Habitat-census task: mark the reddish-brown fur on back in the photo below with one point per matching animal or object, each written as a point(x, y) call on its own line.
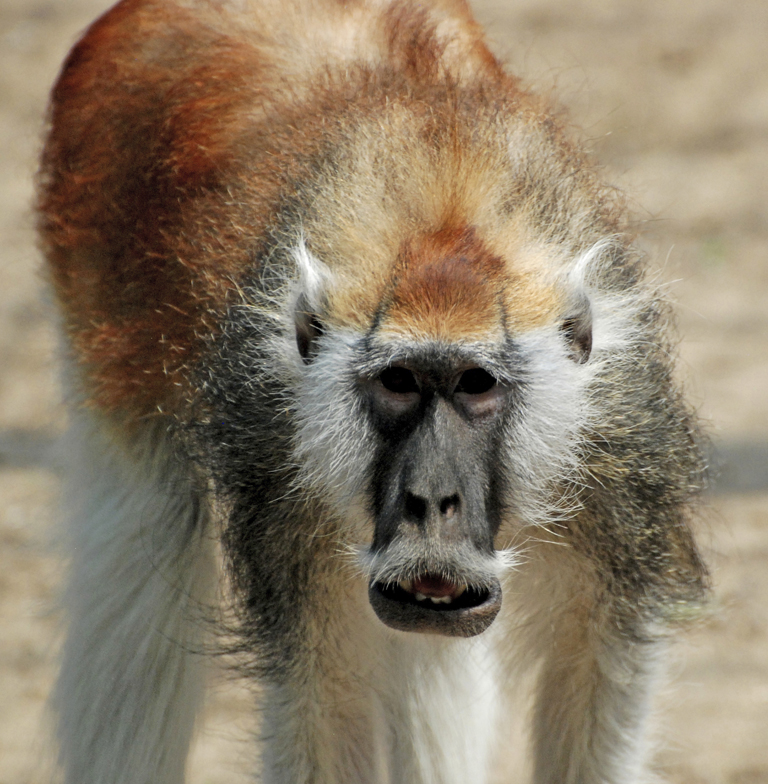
point(143, 134)
point(161, 115)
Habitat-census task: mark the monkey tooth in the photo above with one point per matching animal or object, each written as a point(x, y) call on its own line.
point(436, 598)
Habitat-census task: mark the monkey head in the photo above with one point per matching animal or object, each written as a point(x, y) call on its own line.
point(441, 424)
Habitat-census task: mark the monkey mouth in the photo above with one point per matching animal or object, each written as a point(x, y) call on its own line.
point(431, 604)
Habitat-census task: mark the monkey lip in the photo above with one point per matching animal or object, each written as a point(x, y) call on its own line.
point(432, 605)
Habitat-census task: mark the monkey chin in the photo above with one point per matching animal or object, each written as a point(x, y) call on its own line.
point(467, 615)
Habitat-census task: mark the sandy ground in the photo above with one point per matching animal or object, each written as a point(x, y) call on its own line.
point(674, 98)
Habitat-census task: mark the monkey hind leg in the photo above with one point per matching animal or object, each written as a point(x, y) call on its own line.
point(141, 570)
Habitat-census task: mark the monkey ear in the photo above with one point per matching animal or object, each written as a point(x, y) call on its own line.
point(308, 329)
point(577, 329)
point(576, 326)
point(314, 281)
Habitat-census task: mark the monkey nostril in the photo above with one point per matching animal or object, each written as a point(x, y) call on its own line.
point(449, 506)
point(415, 508)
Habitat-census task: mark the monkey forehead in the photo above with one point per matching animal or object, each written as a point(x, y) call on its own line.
point(445, 285)
point(450, 286)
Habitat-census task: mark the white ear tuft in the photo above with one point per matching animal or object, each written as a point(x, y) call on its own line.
point(314, 277)
point(580, 273)
point(314, 280)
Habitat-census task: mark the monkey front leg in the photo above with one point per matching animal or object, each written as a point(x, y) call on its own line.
point(591, 711)
point(141, 573)
point(321, 720)
point(308, 740)
point(592, 696)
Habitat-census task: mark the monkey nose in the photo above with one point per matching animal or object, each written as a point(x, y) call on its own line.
point(419, 510)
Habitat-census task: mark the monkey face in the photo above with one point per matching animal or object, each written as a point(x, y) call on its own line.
point(442, 450)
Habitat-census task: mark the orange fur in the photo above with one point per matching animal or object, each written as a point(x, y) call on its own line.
point(447, 286)
point(158, 115)
point(119, 197)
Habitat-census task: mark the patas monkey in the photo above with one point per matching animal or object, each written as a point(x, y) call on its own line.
point(336, 289)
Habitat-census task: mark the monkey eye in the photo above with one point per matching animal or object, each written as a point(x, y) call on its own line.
point(399, 380)
point(479, 393)
point(396, 392)
point(475, 381)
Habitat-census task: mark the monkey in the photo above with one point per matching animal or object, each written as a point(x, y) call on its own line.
point(370, 385)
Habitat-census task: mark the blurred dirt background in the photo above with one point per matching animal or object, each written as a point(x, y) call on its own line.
point(673, 98)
